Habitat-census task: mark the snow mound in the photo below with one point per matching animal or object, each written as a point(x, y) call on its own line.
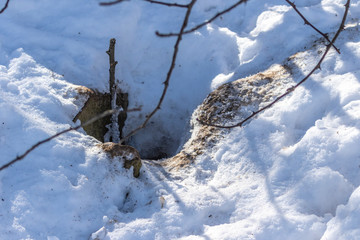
point(227, 105)
point(253, 183)
point(68, 183)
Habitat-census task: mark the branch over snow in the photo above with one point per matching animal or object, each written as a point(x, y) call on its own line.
point(291, 89)
point(114, 129)
point(94, 119)
point(204, 23)
point(5, 6)
point(169, 74)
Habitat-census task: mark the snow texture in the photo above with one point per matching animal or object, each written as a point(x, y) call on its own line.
point(291, 173)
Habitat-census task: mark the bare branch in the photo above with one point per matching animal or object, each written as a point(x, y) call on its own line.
point(291, 89)
point(204, 23)
point(306, 22)
point(150, 1)
point(168, 4)
point(114, 129)
point(94, 119)
point(169, 74)
point(5, 6)
point(111, 3)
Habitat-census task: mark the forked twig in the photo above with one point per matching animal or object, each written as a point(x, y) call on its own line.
point(291, 89)
point(204, 23)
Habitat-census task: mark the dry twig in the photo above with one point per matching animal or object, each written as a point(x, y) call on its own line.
point(150, 1)
point(168, 4)
point(5, 6)
point(172, 66)
point(111, 3)
point(291, 89)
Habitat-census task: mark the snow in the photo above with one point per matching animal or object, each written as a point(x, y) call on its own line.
point(291, 173)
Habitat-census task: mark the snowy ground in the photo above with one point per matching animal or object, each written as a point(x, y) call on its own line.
point(292, 173)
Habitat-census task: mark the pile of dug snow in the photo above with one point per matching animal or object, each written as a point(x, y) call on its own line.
point(291, 173)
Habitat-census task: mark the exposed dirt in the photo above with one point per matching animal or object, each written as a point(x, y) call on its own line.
point(229, 104)
point(128, 154)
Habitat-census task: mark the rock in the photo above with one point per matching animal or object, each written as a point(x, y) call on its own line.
point(96, 104)
point(128, 154)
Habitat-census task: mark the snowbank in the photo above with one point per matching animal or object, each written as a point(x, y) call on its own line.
point(291, 173)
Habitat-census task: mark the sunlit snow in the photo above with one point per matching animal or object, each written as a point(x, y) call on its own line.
point(291, 173)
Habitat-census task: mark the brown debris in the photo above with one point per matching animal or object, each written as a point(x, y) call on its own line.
point(128, 154)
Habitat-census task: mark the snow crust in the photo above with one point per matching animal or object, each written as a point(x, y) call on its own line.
point(291, 173)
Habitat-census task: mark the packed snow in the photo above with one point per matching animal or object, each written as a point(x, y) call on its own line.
point(291, 173)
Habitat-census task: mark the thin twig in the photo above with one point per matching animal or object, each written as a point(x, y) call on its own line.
point(168, 4)
point(5, 7)
point(204, 23)
point(111, 3)
point(291, 89)
point(169, 74)
point(94, 119)
point(150, 1)
point(306, 22)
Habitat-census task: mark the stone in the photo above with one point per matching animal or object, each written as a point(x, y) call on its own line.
point(96, 104)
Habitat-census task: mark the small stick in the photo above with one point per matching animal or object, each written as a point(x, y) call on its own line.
point(5, 6)
point(114, 130)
